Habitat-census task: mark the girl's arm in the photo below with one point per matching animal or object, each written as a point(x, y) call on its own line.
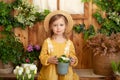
point(44, 55)
point(74, 59)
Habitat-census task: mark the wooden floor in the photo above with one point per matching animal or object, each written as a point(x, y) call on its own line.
point(84, 74)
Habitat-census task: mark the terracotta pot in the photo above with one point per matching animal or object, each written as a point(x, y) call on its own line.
point(102, 64)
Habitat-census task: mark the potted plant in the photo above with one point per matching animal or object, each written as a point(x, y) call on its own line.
point(31, 55)
point(25, 72)
point(105, 46)
point(105, 49)
point(10, 49)
point(116, 69)
point(63, 64)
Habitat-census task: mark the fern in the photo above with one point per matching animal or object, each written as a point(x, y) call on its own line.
point(114, 66)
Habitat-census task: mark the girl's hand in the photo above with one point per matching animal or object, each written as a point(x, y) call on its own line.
point(53, 60)
point(72, 61)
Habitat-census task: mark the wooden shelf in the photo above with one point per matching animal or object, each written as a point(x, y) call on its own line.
point(88, 74)
point(84, 74)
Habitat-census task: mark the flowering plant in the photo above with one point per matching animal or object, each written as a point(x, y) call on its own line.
point(31, 54)
point(25, 72)
point(64, 59)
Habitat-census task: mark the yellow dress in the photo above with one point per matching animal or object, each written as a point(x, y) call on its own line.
point(48, 71)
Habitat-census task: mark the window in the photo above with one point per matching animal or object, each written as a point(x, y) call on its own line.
point(75, 7)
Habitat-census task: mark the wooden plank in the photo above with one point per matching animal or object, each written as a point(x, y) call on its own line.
point(78, 40)
point(32, 37)
point(22, 35)
point(41, 34)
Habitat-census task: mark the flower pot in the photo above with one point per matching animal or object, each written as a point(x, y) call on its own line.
point(102, 64)
point(62, 68)
point(117, 77)
point(25, 65)
point(6, 68)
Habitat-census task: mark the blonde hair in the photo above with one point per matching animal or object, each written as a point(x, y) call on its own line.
point(53, 19)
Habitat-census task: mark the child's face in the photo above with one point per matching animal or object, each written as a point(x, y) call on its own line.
point(58, 26)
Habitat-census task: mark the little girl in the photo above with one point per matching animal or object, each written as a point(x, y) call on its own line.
point(57, 24)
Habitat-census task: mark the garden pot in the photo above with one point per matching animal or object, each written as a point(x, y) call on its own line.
point(1, 64)
point(117, 77)
point(62, 68)
point(6, 68)
point(102, 64)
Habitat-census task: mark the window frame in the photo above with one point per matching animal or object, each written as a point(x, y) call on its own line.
point(78, 16)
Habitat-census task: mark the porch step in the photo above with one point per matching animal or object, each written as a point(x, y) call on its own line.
point(88, 74)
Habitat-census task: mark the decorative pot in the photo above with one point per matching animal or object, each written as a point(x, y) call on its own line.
point(62, 68)
point(6, 68)
point(102, 64)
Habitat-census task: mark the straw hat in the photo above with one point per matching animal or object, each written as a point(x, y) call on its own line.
point(67, 15)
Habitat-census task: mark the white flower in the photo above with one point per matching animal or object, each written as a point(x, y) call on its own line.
point(63, 58)
point(20, 71)
point(33, 67)
point(15, 71)
point(17, 67)
point(29, 76)
point(35, 71)
point(27, 70)
point(67, 59)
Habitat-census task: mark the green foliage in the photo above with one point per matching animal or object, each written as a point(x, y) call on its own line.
point(41, 16)
point(79, 28)
point(98, 17)
point(85, 0)
point(108, 5)
point(88, 33)
point(10, 48)
point(111, 23)
point(31, 54)
point(5, 17)
point(27, 14)
point(115, 67)
point(63, 59)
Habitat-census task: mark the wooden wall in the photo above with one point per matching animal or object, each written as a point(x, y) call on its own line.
point(37, 34)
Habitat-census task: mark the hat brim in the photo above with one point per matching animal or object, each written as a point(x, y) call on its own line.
point(67, 15)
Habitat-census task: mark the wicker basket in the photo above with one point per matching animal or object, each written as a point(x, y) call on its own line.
point(6, 71)
point(117, 77)
point(102, 64)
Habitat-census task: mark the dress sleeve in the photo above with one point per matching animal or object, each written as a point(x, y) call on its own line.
point(44, 54)
point(73, 54)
